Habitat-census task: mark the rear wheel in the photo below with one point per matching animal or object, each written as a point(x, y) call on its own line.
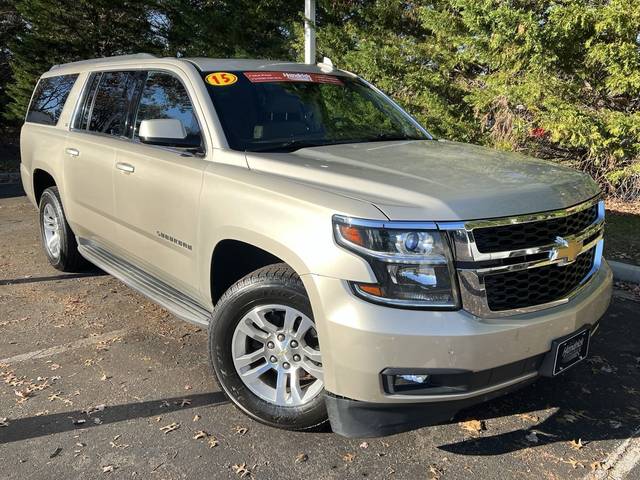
point(57, 238)
point(264, 350)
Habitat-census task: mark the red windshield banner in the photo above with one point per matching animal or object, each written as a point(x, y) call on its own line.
point(262, 77)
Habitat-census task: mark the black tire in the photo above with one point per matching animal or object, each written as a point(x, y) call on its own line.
point(68, 259)
point(271, 284)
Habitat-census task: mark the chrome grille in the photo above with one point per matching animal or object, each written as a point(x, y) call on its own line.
point(533, 234)
point(529, 262)
point(536, 286)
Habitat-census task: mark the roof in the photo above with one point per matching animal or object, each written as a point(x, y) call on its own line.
point(204, 64)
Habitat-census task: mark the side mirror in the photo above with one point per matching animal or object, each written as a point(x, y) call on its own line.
point(167, 132)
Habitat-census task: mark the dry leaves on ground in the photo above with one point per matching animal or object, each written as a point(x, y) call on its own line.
point(108, 468)
point(348, 457)
point(474, 426)
point(170, 428)
point(200, 434)
point(4, 422)
point(241, 470)
point(238, 430)
point(213, 442)
point(301, 457)
point(577, 445)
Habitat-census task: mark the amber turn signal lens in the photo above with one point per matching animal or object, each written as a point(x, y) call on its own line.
point(351, 234)
point(371, 289)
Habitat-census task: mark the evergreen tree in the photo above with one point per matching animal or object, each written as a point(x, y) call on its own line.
point(59, 31)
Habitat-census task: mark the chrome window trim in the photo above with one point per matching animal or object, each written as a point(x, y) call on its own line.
point(132, 140)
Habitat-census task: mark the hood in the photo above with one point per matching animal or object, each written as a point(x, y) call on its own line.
point(433, 180)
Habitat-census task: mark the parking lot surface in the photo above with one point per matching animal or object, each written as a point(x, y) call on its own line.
point(97, 382)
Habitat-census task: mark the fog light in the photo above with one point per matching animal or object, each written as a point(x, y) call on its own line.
point(411, 379)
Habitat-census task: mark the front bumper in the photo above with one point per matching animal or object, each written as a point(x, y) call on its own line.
point(359, 340)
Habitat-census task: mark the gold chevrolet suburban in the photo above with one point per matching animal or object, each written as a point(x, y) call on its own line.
point(348, 266)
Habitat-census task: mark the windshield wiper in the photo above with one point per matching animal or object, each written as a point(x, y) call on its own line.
point(288, 146)
point(387, 137)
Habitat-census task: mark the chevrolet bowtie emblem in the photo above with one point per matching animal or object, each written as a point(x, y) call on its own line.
point(566, 250)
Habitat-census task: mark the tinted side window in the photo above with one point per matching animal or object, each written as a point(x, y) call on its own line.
point(112, 102)
point(49, 99)
point(164, 96)
point(82, 117)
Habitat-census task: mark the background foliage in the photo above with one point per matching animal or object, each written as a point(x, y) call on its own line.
point(557, 78)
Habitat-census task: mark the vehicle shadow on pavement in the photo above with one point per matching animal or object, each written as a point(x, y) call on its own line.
point(32, 427)
point(15, 281)
point(597, 400)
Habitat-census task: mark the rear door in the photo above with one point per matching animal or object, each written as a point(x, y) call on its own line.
point(101, 125)
point(157, 189)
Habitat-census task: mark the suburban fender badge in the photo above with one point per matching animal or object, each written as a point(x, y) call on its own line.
point(174, 240)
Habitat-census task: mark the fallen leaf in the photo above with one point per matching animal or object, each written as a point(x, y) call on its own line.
point(364, 445)
point(574, 463)
point(97, 420)
point(170, 428)
point(4, 422)
point(241, 470)
point(301, 457)
point(196, 418)
point(56, 452)
point(348, 457)
point(23, 394)
point(213, 442)
point(187, 387)
point(576, 445)
point(108, 468)
point(104, 377)
point(435, 471)
point(474, 426)
point(185, 402)
point(54, 366)
point(200, 434)
point(595, 466)
point(532, 437)
point(97, 408)
point(240, 430)
point(529, 417)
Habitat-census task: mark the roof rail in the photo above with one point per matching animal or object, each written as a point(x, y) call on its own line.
point(115, 58)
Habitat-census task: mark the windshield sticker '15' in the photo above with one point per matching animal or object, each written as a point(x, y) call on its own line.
point(221, 79)
point(262, 77)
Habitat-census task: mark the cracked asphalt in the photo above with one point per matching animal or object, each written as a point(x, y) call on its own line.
point(97, 382)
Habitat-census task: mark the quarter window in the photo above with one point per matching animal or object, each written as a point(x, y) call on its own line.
point(110, 109)
point(49, 99)
point(164, 96)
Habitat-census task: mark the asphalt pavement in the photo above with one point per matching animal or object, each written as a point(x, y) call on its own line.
point(97, 382)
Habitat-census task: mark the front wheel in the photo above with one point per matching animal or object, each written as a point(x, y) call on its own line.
point(264, 350)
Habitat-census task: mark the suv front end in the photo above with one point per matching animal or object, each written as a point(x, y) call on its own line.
point(461, 312)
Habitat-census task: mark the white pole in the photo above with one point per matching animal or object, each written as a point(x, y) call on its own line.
point(310, 31)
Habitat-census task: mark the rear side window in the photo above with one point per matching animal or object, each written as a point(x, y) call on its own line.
point(82, 117)
point(164, 96)
point(110, 110)
point(49, 98)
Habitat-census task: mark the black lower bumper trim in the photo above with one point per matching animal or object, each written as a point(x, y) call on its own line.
point(355, 419)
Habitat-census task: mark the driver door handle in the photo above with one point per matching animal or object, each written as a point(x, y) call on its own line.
point(73, 152)
point(125, 167)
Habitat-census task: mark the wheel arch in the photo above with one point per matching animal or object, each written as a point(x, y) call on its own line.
point(232, 259)
point(42, 180)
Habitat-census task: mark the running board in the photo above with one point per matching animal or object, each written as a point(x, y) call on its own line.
point(179, 304)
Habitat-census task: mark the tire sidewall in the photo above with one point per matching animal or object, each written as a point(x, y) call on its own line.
point(225, 319)
point(49, 197)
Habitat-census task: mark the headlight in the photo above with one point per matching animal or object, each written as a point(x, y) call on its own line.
point(412, 262)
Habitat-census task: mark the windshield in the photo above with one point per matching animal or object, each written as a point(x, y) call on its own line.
point(283, 111)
